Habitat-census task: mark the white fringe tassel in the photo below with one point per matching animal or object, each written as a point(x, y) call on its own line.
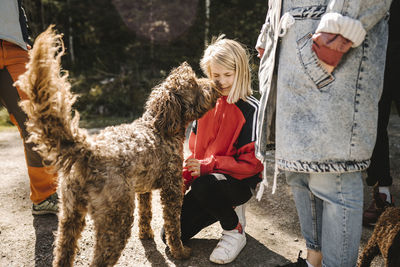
point(264, 182)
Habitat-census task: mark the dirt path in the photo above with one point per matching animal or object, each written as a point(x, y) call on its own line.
point(273, 235)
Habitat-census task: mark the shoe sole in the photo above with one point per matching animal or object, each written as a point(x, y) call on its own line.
point(235, 256)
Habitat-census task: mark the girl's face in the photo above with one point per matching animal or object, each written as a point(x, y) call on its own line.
point(224, 76)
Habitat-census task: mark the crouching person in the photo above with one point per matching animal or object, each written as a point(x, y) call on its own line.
point(223, 171)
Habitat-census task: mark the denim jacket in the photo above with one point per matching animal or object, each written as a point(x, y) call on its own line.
point(13, 23)
point(324, 122)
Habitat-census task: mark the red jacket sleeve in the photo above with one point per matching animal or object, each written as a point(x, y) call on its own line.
point(244, 164)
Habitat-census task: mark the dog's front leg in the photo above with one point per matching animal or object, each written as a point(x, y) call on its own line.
point(145, 215)
point(171, 200)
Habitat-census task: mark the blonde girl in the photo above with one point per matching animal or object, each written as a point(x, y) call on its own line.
point(222, 170)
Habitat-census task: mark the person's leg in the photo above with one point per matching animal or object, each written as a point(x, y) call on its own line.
point(211, 200)
point(390, 94)
point(241, 213)
point(43, 184)
point(309, 209)
point(193, 217)
point(379, 169)
point(342, 196)
point(218, 195)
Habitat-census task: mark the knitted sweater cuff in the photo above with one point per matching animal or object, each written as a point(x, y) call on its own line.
point(349, 28)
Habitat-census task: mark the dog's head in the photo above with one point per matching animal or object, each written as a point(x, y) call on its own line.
point(180, 99)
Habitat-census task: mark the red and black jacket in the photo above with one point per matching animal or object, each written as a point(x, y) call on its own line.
point(223, 140)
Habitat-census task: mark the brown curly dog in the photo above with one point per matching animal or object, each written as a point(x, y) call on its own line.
point(101, 174)
point(385, 239)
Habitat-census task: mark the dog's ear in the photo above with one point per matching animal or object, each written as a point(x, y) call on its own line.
point(165, 104)
point(166, 110)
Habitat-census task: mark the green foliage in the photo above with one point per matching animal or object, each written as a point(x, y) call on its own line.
point(5, 121)
point(117, 50)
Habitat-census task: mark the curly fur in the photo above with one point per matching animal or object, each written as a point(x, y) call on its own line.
point(384, 240)
point(102, 174)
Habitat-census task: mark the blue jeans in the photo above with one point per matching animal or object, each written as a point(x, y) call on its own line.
point(330, 206)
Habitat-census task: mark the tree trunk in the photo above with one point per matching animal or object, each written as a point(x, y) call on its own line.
point(71, 36)
point(207, 22)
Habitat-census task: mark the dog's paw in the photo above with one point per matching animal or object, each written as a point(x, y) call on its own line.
point(148, 234)
point(182, 254)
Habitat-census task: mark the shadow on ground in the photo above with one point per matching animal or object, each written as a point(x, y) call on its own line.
point(254, 254)
point(45, 227)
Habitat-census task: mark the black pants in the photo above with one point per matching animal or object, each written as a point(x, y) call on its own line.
point(211, 200)
point(379, 170)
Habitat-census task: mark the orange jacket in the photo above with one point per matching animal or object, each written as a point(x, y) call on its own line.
point(223, 140)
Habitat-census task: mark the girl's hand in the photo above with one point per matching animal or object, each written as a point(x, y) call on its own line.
point(193, 165)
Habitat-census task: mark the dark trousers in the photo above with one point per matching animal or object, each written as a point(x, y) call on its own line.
point(211, 200)
point(12, 64)
point(379, 170)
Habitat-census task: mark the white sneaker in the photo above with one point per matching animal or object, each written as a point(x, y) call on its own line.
point(229, 246)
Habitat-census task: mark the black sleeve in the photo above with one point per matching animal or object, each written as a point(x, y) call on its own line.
point(248, 133)
point(23, 22)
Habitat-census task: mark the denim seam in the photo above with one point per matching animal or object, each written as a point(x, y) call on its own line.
point(358, 88)
point(344, 234)
point(314, 218)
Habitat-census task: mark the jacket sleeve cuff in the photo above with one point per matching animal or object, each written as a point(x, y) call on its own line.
point(349, 28)
point(207, 165)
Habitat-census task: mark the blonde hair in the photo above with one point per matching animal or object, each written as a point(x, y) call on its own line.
point(233, 56)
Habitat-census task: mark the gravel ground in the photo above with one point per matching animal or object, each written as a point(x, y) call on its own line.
point(273, 234)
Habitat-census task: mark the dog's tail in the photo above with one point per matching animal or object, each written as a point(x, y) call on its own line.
point(52, 128)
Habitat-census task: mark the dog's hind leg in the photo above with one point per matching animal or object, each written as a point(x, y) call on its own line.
point(70, 226)
point(113, 222)
point(369, 253)
point(145, 215)
point(171, 200)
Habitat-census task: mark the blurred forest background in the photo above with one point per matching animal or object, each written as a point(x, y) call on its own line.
point(117, 50)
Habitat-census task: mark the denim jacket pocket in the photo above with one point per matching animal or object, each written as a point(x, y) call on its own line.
point(310, 63)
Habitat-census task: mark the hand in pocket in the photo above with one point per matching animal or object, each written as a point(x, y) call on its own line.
point(330, 48)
